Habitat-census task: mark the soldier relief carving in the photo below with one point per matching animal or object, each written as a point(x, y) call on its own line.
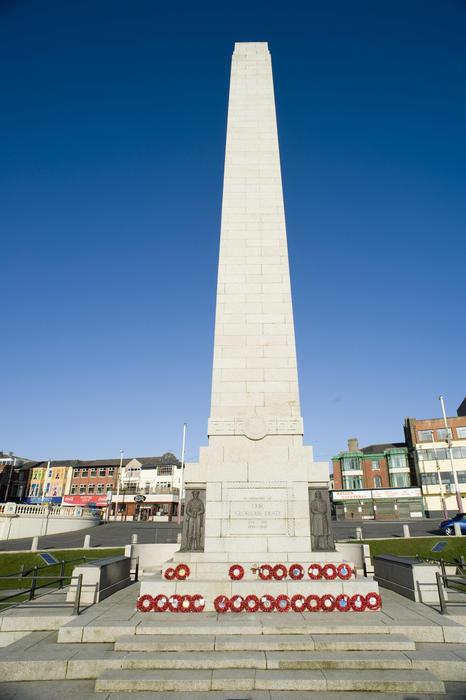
point(192, 538)
point(321, 527)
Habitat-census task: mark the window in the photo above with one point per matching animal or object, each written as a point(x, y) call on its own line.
point(74, 489)
point(461, 432)
point(50, 473)
point(443, 433)
point(164, 470)
point(350, 463)
point(82, 489)
point(352, 482)
point(377, 482)
point(425, 435)
point(111, 471)
point(461, 477)
point(100, 488)
point(459, 452)
point(399, 480)
point(90, 488)
point(93, 472)
point(84, 472)
point(109, 488)
point(57, 475)
point(48, 488)
point(375, 465)
point(101, 471)
point(433, 455)
point(397, 461)
point(75, 473)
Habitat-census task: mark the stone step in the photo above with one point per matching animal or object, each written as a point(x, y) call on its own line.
point(261, 642)
point(403, 681)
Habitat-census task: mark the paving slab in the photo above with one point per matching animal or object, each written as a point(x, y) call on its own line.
point(331, 642)
point(237, 678)
point(277, 642)
point(164, 642)
point(290, 680)
point(401, 681)
point(154, 680)
point(338, 659)
point(201, 660)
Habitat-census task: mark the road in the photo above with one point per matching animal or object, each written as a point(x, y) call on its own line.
point(118, 534)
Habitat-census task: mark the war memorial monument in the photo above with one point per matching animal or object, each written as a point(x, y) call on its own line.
point(256, 497)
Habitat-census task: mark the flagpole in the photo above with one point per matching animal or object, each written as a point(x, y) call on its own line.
point(182, 474)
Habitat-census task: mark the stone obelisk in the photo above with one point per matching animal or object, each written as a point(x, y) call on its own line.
point(249, 492)
point(256, 498)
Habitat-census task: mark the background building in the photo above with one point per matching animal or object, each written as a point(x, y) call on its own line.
point(375, 482)
point(437, 453)
point(14, 473)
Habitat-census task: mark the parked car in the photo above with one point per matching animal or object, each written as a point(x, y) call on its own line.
point(447, 526)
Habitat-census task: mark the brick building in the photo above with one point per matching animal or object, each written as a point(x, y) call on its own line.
point(14, 473)
point(438, 454)
point(375, 482)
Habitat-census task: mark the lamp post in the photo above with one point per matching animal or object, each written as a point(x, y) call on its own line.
point(182, 474)
point(118, 485)
point(442, 492)
point(450, 454)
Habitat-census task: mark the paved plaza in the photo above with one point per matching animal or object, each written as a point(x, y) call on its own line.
point(113, 651)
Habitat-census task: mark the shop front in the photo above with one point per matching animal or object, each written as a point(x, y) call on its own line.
point(378, 504)
point(149, 507)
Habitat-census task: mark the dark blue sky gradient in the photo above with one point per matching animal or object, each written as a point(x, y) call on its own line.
point(112, 136)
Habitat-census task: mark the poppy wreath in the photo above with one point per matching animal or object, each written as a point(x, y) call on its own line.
point(265, 572)
point(373, 601)
point(174, 602)
point(315, 571)
point(329, 571)
point(296, 572)
point(328, 602)
point(221, 604)
point(182, 571)
point(185, 604)
point(197, 603)
point(358, 602)
point(169, 574)
point(267, 603)
point(298, 602)
point(313, 603)
point(160, 603)
point(236, 603)
point(251, 603)
point(145, 603)
point(282, 603)
point(344, 571)
point(236, 572)
point(343, 602)
point(279, 572)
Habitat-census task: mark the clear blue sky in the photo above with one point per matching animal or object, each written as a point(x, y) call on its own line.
point(112, 136)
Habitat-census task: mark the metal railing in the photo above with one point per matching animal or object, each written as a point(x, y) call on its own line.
point(455, 582)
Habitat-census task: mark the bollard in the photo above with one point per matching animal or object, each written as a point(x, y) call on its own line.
point(87, 542)
point(34, 544)
point(458, 532)
point(406, 531)
point(178, 538)
point(359, 533)
point(134, 539)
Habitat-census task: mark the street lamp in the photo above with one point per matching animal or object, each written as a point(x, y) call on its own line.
point(442, 493)
point(450, 454)
point(182, 474)
point(118, 485)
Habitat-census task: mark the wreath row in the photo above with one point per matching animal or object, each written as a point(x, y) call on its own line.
point(296, 571)
point(298, 603)
point(172, 603)
point(181, 572)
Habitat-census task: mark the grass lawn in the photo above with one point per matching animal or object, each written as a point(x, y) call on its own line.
point(11, 563)
point(422, 546)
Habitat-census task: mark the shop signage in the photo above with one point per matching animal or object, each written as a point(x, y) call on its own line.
point(375, 493)
point(139, 498)
point(396, 493)
point(96, 501)
point(350, 495)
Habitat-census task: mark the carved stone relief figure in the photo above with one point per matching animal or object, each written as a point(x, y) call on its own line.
point(192, 538)
point(321, 527)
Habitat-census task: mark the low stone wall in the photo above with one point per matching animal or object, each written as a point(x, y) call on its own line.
point(151, 556)
point(28, 521)
point(101, 578)
point(408, 577)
